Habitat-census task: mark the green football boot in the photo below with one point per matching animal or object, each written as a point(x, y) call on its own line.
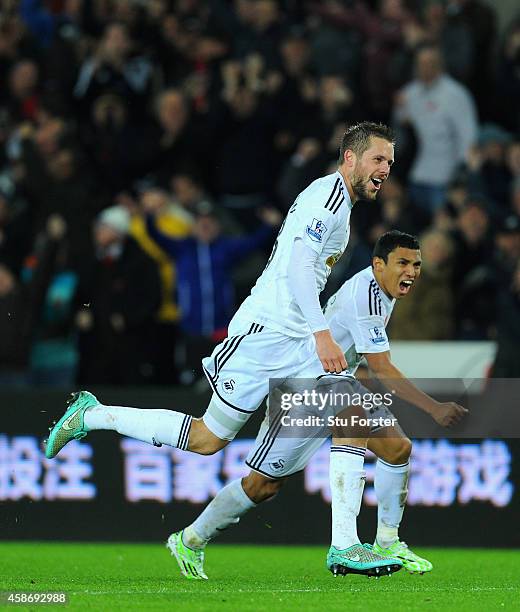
point(71, 426)
point(191, 561)
point(411, 562)
point(361, 559)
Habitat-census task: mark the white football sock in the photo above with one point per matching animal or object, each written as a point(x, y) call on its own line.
point(153, 426)
point(224, 510)
point(391, 487)
point(347, 481)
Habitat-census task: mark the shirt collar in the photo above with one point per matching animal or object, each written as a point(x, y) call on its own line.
point(345, 190)
point(386, 300)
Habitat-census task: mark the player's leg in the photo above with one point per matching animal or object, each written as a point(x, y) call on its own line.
point(347, 480)
point(272, 459)
point(346, 473)
point(231, 503)
point(393, 448)
point(237, 360)
point(85, 413)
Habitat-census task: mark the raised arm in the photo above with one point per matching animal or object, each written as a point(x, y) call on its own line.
point(168, 244)
point(242, 246)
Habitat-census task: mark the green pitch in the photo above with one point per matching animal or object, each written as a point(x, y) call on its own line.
point(145, 577)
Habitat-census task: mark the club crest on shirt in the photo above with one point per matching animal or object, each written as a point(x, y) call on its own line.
point(316, 230)
point(377, 335)
point(228, 386)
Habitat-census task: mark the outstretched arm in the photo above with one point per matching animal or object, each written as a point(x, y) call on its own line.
point(446, 414)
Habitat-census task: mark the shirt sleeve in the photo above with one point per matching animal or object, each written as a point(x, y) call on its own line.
point(369, 334)
point(364, 317)
point(302, 283)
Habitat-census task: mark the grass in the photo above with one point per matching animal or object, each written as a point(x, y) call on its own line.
point(242, 578)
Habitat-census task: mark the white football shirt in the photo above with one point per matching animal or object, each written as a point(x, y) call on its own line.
point(319, 216)
point(358, 314)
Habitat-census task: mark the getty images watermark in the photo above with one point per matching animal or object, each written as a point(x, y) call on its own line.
point(329, 408)
point(301, 408)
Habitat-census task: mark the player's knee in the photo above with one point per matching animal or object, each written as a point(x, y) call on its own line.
point(203, 441)
point(399, 452)
point(260, 488)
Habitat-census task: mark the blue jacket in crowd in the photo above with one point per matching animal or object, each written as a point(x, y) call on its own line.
point(205, 289)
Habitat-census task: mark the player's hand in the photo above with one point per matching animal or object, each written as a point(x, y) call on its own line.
point(449, 414)
point(329, 352)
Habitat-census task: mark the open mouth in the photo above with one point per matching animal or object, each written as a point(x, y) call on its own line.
point(405, 286)
point(377, 182)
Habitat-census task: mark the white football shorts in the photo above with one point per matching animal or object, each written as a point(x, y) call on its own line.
point(278, 452)
point(239, 370)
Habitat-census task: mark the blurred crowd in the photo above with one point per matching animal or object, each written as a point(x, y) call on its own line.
point(150, 148)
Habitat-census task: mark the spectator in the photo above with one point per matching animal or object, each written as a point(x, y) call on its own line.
point(114, 144)
point(15, 237)
point(513, 160)
point(39, 20)
point(175, 222)
point(69, 192)
point(304, 166)
point(474, 281)
point(244, 174)
point(489, 174)
point(295, 92)
point(265, 31)
point(480, 20)
point(337, 105)
point(118, 298)
point(336, 49)
point(114, 68)
point(393, 212)
point(54, 355)
point(442, 114)
point(189, 195)
point(453, 37)
point(515, 197)
point(383, 36)
point(16, 44)
point(176, 143)
point(204, 264)
point(21, 305)
point(507, 242)
point(23, 91)
point(508, 79)
point(506, 363)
